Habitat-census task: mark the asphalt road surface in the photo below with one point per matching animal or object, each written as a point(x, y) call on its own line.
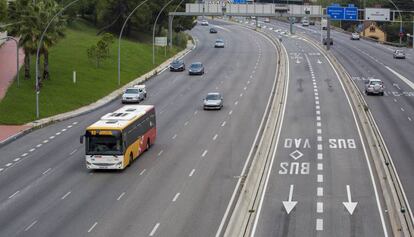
point(181, 187)
point(320, 161)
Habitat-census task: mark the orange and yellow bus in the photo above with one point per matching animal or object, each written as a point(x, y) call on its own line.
point(119, 137)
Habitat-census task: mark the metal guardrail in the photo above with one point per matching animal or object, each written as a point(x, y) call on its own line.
point(399, 211)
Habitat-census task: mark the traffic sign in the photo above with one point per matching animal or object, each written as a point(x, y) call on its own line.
point(351, 13)
point(336, 12)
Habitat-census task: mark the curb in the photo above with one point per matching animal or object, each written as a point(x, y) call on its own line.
point(101, 102)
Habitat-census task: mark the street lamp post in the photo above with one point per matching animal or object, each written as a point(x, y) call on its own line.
point(17, 56)
point(171, 22)
point(153, 30)
point(38, 52)
point(120, 36)
point(399, 12)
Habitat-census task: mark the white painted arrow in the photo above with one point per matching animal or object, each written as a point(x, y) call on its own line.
point(319, 61)
point(350, 206)
point(289, 205)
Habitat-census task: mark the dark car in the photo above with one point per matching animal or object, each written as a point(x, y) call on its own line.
point(325, 41)
point(196, 69)
point(177, 65)
point(213, 30)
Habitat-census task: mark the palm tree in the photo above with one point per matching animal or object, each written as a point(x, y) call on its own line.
point(54, 33)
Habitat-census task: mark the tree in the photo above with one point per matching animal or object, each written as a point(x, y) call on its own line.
point(99, 52)
point(3, 10)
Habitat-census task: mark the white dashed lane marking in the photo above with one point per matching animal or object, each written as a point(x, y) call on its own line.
point(14, 194)
point(30, 226)
point(24, 154)
point(142, 172)
point(319, 191)
point(215, 137)
point(176, 197)
point(16, 159)
point(8, 164)
point(319, 207)
point(33, 149)
point(39, 145)
point(66, 195)
point(120, 196)
point(320, 178)
point(92, 227)
point(319, 224)
point(204, 153)
point(46, 171)
point(223, 124)
point(191, 173)
point(154, 229)
point(160, 153)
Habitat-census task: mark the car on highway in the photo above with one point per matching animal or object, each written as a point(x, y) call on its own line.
point(196, 69)
point(325, 41)
point(132, 95)
point(177, 65)
point(266, 20)
point(213, 30)
point(305, 22)
point(204, 23)
point(219, 43)
point(398, 53)
point(213, 100)
point(355, 36)
point(311, 22)
point(374, 86)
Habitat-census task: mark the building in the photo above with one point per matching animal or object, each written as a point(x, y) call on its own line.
point(371, 30)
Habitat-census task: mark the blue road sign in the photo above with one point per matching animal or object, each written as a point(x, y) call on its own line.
point(336, 12)
point(351, 13)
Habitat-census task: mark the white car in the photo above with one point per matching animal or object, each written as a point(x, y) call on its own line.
point(132, 95)
point(219, 43)
point(213, 100)
point(305, 23)
point(142, 90)
point(204, 23)
point(266, 20)
point(354, 36)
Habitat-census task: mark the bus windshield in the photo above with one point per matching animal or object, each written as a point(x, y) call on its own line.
point(103, 145)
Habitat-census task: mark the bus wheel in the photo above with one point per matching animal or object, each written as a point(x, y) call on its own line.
point(148, 144)
point(130, 159)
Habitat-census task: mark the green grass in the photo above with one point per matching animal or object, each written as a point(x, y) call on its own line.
point(60, 94)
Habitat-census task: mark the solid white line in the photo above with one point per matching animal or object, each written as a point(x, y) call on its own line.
point(215, 137)
point(30, 226)
point(33, 149)
point(39, 145)
point(319, 192)
point(142, 172)
point(120, 196)
point(66, 195)
point(46, 171)
point(176, 197)
point(256, 220)
point(17, 159)
point(319, 207)
point(24, 154)
point(223, 124)
point(319, 224)
point(8, 164)
point(192, 172)
point(204, 153)
point(320, 166)
point(14, 194)
point(408, 82)
point(73, 152)
point(320, 178)
point(93, 226)
point(154, 229)
point(160, 153)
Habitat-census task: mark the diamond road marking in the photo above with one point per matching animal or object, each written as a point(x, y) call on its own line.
point(296, 154)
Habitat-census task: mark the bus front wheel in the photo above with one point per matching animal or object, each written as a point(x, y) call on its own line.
point(131, 158)
point(148, 144)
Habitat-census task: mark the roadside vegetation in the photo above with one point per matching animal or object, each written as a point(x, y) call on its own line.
point(85, 40)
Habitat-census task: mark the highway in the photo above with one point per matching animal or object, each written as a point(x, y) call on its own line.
point(321, 182)
point(394, 112)
point(180, 187)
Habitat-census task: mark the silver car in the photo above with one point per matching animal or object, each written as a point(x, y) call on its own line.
point(219, 43)
point(132, 95)
point(354, 36)
point(213, 100)
point(374, 86)
point(398, 53)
